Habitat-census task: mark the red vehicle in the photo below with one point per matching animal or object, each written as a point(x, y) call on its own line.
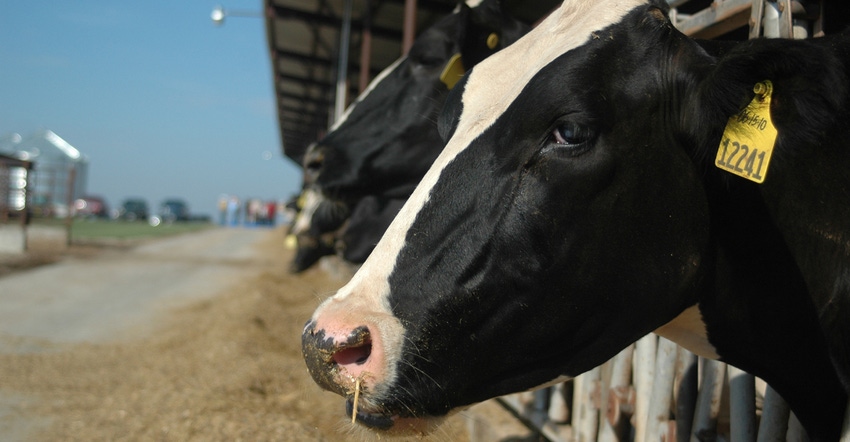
point(90, 207)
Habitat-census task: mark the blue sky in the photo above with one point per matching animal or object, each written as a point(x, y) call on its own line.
point(162, 102)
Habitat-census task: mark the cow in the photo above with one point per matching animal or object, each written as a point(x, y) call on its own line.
point(387, 139)
point(585, 197)
point(352, 236)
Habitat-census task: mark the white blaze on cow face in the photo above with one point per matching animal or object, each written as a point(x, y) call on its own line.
point(491, 87)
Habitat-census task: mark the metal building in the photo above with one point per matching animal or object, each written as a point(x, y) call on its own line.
point(60, 174)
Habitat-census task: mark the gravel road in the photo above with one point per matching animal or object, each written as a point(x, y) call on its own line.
point(116, 294)
point(119, 292)
point(195, 337)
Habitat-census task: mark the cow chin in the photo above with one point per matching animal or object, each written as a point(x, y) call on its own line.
point(368, 423)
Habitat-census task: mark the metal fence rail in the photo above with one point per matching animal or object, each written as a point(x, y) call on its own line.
point(655, 391)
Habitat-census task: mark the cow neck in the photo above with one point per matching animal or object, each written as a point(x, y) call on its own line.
point(760, 301)
point(758, 234)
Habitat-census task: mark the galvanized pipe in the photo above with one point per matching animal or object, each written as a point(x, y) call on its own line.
point(644, 371)
point(613, 425)
point(585, 411)
point(774, 417)
point(657, 422)
point(342, 63)
point(742, 405)
point(708, 401)
point(686, 392)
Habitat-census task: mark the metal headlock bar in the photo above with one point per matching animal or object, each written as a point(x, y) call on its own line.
point(765, 18)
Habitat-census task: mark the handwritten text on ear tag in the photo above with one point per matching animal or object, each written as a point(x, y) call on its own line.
point(748, 140)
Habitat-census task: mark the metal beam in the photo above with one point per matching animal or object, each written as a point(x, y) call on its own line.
point(308, 82)
point(305, 98)
point(430, 5)
point(324, 62)
point(306, 114)
point(282, 53)
point(721, 17)
point(284, 13)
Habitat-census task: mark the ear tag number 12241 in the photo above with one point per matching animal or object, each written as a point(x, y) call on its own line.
point(749, 137)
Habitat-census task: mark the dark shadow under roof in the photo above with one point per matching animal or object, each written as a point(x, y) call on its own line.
point(304, 38)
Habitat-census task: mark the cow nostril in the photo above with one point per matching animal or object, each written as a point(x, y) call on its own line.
point(358, 354)
point(333, 362)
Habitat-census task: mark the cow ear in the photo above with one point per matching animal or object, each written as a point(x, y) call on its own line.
point(484, 29)
point(809, 87)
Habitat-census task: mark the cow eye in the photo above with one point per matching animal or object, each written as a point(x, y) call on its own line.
point(571, 134)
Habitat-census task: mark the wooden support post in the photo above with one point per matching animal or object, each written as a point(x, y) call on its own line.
point(409, 32)
point(365, 48)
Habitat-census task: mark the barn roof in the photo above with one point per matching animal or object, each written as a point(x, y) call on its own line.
point(304, 37)
point(43, 145)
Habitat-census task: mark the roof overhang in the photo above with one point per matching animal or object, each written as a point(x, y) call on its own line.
point(304, 41)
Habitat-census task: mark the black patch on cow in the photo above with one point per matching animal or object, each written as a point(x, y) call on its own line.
point(533, 257)
point(452, 110)
point(367, 224)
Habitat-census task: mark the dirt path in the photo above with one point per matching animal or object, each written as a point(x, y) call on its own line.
point(224, 363)
point(121, 291)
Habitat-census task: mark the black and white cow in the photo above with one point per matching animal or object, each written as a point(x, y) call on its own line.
point(388, 137)
point(578, 206)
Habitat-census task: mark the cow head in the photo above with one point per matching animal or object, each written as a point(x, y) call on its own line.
point(313, 228)
point(566, 217)
point(388, 137)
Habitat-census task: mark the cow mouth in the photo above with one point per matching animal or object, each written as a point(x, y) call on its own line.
point(395, 425)
point(375, 421)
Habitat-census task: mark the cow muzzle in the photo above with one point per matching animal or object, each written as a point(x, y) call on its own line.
point(353, 353)
point(349, 361)
point(336, 362)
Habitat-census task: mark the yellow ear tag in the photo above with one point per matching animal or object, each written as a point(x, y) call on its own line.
point(747, 143)
point(453, 71)
point(492, 40)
